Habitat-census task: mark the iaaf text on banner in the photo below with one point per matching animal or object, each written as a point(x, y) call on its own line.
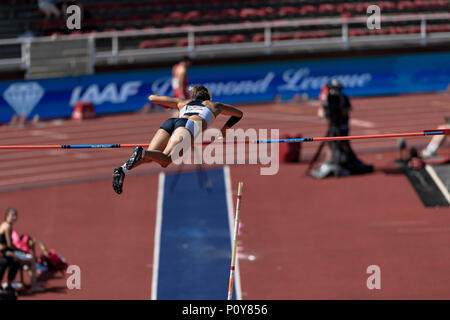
point(237, 83)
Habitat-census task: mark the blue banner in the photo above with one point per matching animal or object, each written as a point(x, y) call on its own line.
point(235, 83)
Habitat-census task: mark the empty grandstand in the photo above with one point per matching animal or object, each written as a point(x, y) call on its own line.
point(141, 31)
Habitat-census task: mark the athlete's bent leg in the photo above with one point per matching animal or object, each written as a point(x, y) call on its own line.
point(165, 158)
point(159, 142)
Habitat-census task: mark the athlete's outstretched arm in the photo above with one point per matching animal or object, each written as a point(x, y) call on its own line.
point(229, 110)
point(164, 101)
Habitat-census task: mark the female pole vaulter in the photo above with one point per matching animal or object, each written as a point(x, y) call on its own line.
point(195, 113)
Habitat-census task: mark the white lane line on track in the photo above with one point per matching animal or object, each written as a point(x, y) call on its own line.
point(157, 241)
point(50, 134)
point(67, 174)
point(101, 134)
point(290, 118)
point(229, 195)
point(94, 126)
point(38, 169)
point(438, 182)
point(361, 123)
point(50, 177)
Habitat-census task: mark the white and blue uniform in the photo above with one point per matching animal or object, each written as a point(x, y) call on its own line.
point(196, 108)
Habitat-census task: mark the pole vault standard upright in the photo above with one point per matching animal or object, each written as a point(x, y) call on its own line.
point(235, 234)
point(130, 145)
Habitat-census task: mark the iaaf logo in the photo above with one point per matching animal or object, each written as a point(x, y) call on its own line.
point(111, 93)
point(23, 96)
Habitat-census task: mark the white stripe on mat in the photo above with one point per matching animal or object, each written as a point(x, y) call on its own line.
point(438, 182)
point(159, 207)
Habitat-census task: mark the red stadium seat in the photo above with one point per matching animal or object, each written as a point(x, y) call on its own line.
point(300, 35)
point(308, 9)
point(379, 32)
point(444, 28)
point(176, 15)
point(345, 7)
point(362, 7)
point(75, 33)
point(282, 36)
point(205, 41)
point(199, 41)
point(238, 38)
point(230, 13)
point(402, 5)
point(186, 26)
point(157, 18)
point(415, 29)
point(192, 15)
point(288, 11)
point(327, 8)
point(219, 39)
point(267, 12)
point(182, 42)
point(398, 30)
point(212, 15)
point(319, 34)
point(304, 35)
point(438, 28)
point(356, 32)
point(145, 44)
point(387, 5)
point(248, 13)
point(259, 37)
point(155, 44)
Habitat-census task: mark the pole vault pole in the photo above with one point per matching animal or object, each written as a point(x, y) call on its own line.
point(370, 136)
point(235, 235)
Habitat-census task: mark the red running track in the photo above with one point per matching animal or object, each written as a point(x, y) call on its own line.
point(311, 239)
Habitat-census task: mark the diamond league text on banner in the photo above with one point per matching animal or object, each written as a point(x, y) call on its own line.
point(235, 84)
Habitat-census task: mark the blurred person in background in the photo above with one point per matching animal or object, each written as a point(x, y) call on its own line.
point(12, 265)
point(7, 259)
point(180, 83)
point(180, 79)
point(62, 5)
point(340, 158)
point(48, 8)
point(8, 249)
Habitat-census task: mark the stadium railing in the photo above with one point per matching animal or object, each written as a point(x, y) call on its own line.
point(124, 47)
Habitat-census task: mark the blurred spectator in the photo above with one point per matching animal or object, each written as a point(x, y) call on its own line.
point(180, 79)
point(7, 258)
point(11, 250)
point(48, 8)
point(24, 242)
point(433, 146)
point(340, 160)
point(64, 4)
point(12, 265)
